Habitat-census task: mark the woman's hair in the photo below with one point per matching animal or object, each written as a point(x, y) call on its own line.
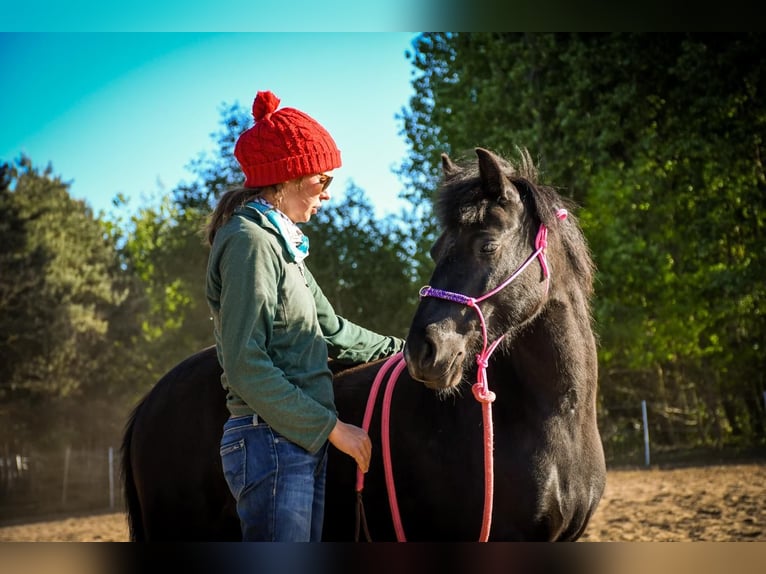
point(232, 200)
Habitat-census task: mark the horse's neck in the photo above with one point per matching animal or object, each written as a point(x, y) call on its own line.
point(556, 353)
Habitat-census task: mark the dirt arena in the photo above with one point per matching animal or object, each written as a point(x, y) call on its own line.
point(724, 503)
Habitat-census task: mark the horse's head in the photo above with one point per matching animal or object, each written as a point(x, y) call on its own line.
point(491, 214)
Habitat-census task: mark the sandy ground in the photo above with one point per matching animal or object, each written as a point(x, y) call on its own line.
point(713, 504)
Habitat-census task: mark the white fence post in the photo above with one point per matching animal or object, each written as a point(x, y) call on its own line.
point(111, 477)
point(67, 456)
point(646, 432)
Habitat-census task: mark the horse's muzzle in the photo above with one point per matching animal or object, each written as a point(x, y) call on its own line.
point(435, 358)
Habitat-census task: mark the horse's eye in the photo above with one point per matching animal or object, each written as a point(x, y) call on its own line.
point(490, 247)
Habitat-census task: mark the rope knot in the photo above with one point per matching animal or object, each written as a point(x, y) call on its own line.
point(541, 241)
point(482, 361)
point(482, 394)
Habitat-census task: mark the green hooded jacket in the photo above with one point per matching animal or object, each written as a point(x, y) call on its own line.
point(275, 329)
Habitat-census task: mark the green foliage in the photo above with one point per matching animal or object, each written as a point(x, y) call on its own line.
point(660, 139)
point(61, 291)
point(162, 248)
point(361, 264)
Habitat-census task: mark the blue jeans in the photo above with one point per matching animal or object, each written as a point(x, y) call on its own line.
point(279, 486)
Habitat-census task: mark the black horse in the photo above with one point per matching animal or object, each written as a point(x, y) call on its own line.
point(548, 466)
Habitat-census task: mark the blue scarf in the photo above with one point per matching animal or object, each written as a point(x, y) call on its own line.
point(297, 243)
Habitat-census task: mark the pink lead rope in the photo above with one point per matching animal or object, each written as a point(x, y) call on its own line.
point(480, 391)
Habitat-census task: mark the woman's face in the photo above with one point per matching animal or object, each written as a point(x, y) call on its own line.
point(301, 198)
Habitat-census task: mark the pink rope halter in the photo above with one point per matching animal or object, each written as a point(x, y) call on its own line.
point(480, 389)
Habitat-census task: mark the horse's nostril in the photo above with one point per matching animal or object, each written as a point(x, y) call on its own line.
point(428, 351)
point(421, 350)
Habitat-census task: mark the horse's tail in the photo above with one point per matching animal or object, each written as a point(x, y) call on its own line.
point(132, 502)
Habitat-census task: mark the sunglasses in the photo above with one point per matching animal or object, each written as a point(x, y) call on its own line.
point(325, 180)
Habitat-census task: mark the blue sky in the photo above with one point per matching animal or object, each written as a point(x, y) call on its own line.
point(227, 15)
point(126, 112)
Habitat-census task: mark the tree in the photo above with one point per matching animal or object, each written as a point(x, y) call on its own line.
point(60, 289)
point(219, 171)
point(361, 264)
point(162, 248)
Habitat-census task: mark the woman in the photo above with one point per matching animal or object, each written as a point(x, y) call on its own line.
point(274, 329)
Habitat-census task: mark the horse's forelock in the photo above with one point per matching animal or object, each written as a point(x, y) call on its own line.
point(461, 202)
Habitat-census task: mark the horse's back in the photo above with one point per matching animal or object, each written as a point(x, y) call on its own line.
point(171, 456)
point(174, 485)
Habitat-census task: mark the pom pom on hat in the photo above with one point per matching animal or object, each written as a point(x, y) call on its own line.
point(264, 105)
point(283, 144)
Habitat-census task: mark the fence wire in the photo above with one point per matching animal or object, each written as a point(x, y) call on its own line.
point(43, 482)
point(39, 482)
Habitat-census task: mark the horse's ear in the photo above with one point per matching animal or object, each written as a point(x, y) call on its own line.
point(493, 180)
point(448, 167)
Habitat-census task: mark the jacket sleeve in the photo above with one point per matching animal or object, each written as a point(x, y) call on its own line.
point(250, 272)
point(347, 341)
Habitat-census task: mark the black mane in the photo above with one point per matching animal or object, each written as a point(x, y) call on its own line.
point(460, 202)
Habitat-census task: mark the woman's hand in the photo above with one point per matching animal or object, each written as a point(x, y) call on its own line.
point(353, 441)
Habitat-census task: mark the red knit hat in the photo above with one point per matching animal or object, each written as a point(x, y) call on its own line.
point(283, 145)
